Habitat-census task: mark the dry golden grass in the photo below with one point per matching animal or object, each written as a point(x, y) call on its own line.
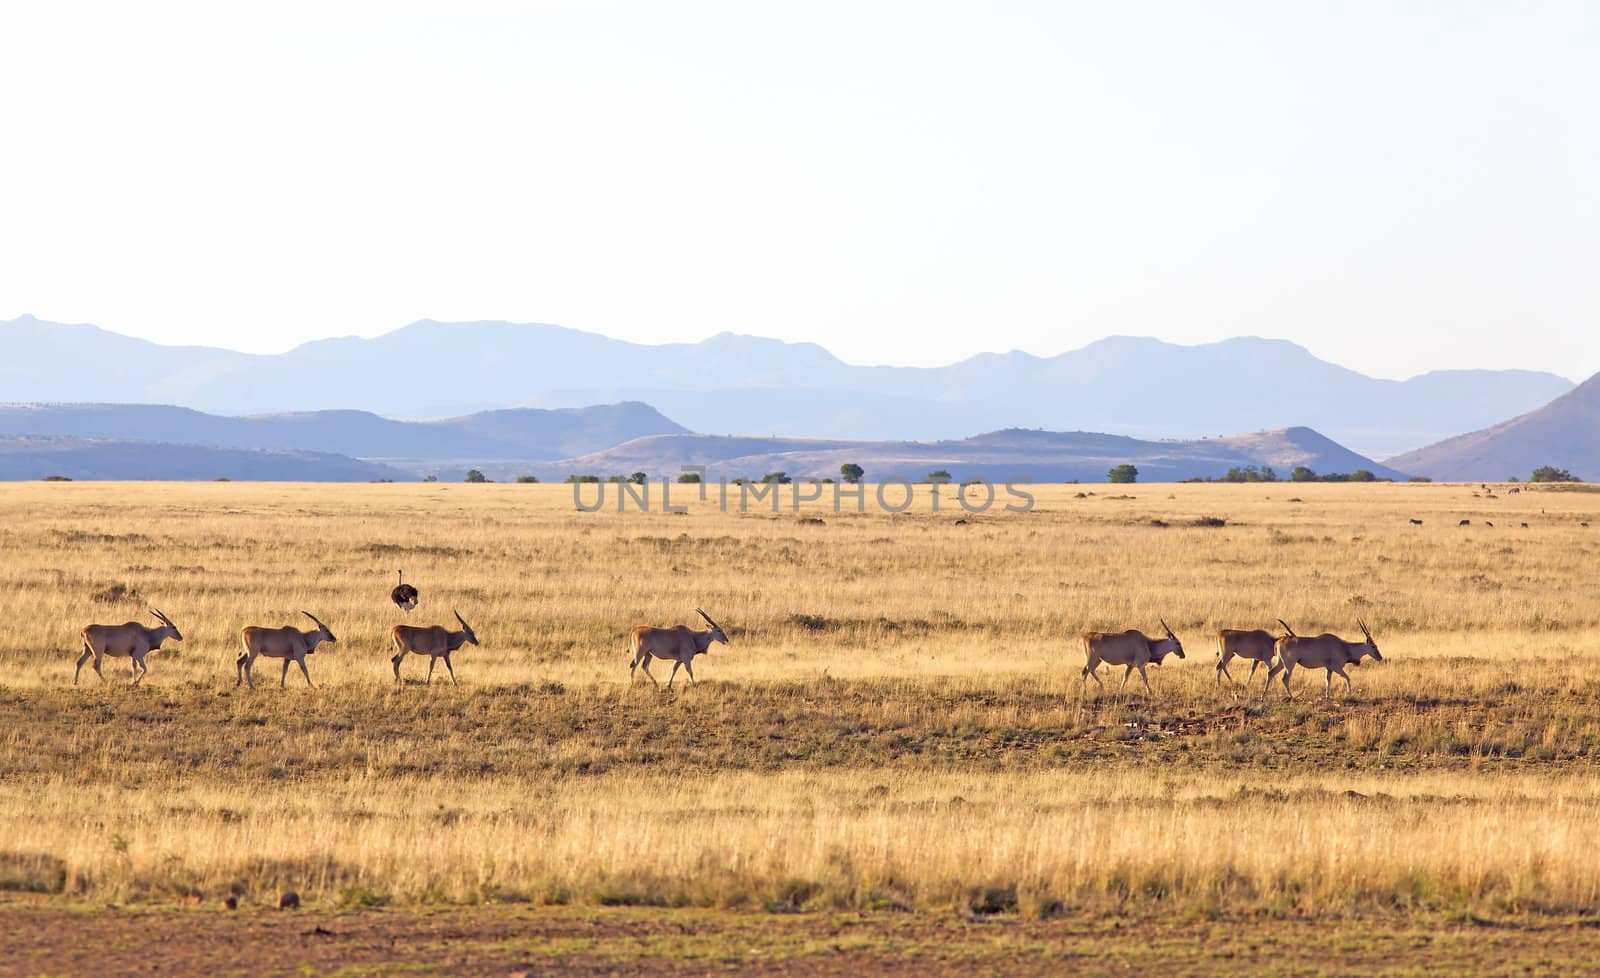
point(899, 722)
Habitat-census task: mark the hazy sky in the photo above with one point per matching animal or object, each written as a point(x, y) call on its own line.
point(1398, 186)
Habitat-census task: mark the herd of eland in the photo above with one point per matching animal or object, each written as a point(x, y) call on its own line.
point(680, 644)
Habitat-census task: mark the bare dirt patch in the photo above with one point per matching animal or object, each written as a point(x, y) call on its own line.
point(106, 943)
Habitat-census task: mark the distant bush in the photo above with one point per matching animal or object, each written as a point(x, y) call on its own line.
point(851, 472)
point(473, 475)
point(781, 478)
point(939, 477)
point(57, 478)
point(527, 479)
point(1123, 473)
point(1549, 473)
point(430, 478)
point(1301, 473)
point(583, 478)
point(1250, 473)
point(639, 478)
point(689, 478)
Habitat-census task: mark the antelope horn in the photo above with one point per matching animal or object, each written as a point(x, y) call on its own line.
point(707, 617)
point(314, 618)
point(1167, 628)
point(1286, 627)
point(164, 619)
point(462, 620)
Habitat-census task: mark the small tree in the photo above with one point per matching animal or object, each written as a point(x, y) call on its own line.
point(782, 478)
point(1549, 473)
point(689, 478)
point(527, 479)
point(473, 475)
point(583, 478)
point(939, 477)
point(1123, 473)
point(638, 478)
point(1363, 475)
point(430, 478)
point(1302, 473)
point(852, 472)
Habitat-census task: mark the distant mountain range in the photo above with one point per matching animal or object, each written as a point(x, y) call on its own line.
point(524, 433)
point(39, 457)
point(747, 385)
point(1026, 456)
point(1564, 433)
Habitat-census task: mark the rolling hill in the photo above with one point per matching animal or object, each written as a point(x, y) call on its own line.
point(1564, 433)
point(524, 433)
point(1020, 455)
point(38, 457)
point(742, 384)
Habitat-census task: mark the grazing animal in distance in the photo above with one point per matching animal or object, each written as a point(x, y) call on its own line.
point(1132, 649)
point(287, 643)
point(680, 643)
point(1416, 522)
point(131, 639)
point(1583, 524)
point(1524, 526)
point(1488, 523)
point(1464, 523)
point(404, 595)
point(434, 641)
point(1325, 651)
point(1258, 645)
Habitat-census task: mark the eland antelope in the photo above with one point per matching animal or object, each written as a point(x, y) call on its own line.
point(287, 643)
point(1131, 648)
point(130, 639)
point(680, 643)
point(1325, 651)
point(434, 641)
point(1258, 645)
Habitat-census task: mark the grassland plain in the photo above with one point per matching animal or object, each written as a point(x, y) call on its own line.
point(898, 732)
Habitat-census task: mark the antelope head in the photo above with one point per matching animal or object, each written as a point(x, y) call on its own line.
point(466, 629)
point(1177, 646)
point(167, 625)
point(717, 634)
point(1372, 646)
point(321, 634)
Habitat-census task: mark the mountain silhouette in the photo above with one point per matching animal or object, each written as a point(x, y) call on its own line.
point(1564, 433)
point(737, 384)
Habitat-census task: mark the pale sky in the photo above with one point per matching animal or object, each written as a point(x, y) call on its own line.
point(1397, 186)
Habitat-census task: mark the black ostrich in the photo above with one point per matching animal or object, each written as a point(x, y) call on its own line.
point(404, 595)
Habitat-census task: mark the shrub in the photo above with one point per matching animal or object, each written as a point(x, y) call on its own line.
point(1549, 473)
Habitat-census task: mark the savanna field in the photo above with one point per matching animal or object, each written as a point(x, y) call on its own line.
point(895, 767)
